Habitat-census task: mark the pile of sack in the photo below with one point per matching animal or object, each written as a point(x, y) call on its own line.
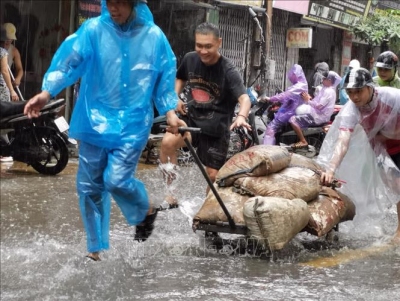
point(276, 194)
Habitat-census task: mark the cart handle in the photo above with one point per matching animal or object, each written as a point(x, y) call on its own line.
point(182, 129)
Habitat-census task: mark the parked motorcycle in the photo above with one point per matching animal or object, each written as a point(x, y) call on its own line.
point(37, 142)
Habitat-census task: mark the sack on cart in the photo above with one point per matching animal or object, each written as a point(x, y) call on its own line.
point(259, 160)
point(289, 183)
point(275, 221)
point(330, 208)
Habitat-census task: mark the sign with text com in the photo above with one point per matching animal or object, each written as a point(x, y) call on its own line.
point(299, 37)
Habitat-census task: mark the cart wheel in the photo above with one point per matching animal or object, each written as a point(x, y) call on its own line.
point(332, 236)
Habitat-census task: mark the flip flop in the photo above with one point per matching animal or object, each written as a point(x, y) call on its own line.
point(298, 145)
point(93, 258)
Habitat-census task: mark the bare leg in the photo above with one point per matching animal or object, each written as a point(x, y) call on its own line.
point(297, 130)
point(169, 146)
point(299, 133)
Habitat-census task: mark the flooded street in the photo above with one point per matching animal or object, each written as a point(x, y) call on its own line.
point(43, 247)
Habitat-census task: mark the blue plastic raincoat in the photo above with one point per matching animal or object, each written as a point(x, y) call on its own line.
point(290, 100)
point(125, 70)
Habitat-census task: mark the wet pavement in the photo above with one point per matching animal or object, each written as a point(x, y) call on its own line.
point(43, 246)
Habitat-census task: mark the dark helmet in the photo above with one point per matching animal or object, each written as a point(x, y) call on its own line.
point(387, 60)
point(358, 78)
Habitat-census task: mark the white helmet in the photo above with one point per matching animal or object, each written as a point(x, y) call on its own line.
point(354, 64)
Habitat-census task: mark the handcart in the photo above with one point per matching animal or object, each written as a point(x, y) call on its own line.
point(231, 227)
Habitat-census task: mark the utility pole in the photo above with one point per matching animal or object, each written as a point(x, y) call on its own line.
point(268, 26)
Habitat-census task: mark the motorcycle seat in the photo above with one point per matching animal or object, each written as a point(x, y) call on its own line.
point(9, 108)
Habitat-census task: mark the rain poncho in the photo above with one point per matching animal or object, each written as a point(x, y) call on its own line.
point(290, 100)
point(124, 70)
point(321, 107)
point(371, 176)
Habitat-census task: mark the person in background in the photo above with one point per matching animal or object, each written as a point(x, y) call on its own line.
point(316, 82)
point(343, 97)
point(14, 56)
point(357, 139)
point(316, 111)
point(213, 87)
point(386, 68)
point(126, 66)
point(290, 100)
point(7, 91)
point(372, 69)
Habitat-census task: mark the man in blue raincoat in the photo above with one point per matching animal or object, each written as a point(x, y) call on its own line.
point(126, 66)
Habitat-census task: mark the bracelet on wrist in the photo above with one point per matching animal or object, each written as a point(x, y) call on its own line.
point(247, 119)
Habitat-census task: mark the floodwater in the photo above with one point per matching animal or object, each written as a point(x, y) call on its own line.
point(43, 247)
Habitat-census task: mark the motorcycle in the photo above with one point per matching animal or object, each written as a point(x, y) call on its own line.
point(37, 142)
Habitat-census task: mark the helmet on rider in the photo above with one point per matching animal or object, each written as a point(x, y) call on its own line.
point(358, 78)
point(387, 60)
point(354, 64)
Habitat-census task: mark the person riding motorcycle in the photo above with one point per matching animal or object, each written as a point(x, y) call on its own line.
point(290, 100)
point(386, 67)
point(315, 111)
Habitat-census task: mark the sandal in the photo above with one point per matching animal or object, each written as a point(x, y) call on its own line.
point(298, 145)
point(93, 258)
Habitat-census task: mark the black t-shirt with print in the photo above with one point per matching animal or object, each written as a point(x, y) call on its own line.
point(212, 93)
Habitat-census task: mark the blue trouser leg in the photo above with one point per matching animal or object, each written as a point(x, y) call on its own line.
point(129, 193)
point(94, 200)
point(96, 219)
point(103, 171)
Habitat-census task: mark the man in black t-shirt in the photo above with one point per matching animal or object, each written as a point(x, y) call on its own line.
point(211, 86)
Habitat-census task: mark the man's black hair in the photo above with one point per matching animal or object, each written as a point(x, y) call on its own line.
point(208, 28)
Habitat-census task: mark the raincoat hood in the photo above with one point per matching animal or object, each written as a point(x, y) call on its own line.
point(334, 78)
point(298, 79)
point(291, 97)
point(138, 17)
point(321, 67)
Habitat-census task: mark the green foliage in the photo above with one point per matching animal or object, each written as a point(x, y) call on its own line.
point(382, 25)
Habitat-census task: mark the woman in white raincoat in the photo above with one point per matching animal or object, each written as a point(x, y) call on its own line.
point(126, 66)
point(355, 147)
